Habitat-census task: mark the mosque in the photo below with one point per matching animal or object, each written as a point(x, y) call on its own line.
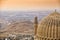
point(48, 28)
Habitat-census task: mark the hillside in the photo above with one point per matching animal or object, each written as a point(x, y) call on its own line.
point(20, 27)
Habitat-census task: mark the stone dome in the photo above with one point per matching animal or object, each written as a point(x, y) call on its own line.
point(49, 27)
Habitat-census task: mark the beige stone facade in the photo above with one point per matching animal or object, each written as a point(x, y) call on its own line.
point(49, 28)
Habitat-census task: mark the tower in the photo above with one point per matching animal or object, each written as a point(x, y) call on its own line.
point(35, 25)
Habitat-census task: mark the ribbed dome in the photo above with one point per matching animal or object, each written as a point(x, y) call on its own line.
point(49, 27)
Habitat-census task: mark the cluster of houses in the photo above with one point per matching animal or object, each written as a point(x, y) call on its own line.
point(18, 37)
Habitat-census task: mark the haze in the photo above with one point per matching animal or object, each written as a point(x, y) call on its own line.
point(29, 4)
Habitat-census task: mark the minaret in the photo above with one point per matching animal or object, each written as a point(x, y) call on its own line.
point(0, 27)
point(35, 25)
point(55, 10)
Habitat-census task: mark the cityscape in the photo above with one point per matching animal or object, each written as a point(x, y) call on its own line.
point(29, 19)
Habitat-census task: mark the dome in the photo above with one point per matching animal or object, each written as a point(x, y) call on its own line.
point(49, 27)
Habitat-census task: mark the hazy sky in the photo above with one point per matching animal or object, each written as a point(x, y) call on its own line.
point(29, 4)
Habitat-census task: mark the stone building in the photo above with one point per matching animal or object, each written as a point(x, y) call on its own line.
point(48, 28)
